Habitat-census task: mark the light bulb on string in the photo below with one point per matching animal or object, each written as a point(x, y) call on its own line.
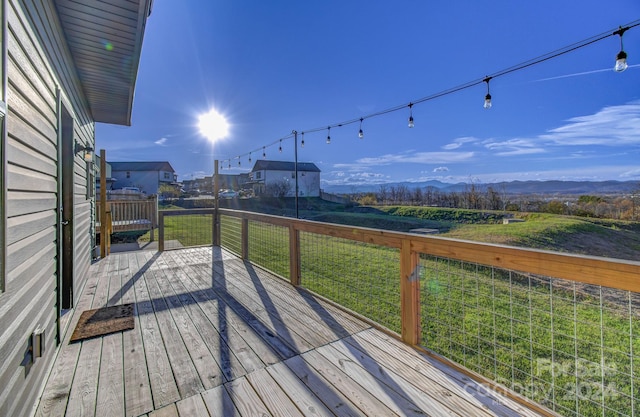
point(328, 135)
point(238, 161)
point(621, 58)
point(360, 132)
point(302, 141)
point(280, 147)
point(411, 124)
point(487, 99)
point(264, 153)
point(229, 164)
point(249, 157)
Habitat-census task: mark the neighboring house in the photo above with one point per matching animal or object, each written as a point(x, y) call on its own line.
point(64, 66)
point(202, 185)
point(267, 175)
point(109, 179)
point(147, 176)
point(233, 181)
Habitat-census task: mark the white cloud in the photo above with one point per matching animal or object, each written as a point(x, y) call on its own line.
point(441, 169)
point(576, 74)
point(631, 174)
point(363, 164)
point(161, 142)
point(513, 147)
point(342, 178)
point(458, 143)
point(611, 126)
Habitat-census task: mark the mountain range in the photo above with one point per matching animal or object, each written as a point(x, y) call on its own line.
point(512, 187)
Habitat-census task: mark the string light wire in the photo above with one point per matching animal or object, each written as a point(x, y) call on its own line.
point(469, 84)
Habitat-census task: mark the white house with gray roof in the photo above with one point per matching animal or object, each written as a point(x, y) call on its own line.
point(273, 173)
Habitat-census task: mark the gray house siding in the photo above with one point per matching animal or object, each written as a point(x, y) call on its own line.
point(147, 181)
point(39, 64)
point(147, 176)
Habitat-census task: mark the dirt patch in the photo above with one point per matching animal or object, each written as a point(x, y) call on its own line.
point(618, 244)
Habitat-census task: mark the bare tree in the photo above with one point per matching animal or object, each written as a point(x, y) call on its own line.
point(279, 189)
point(383, 194)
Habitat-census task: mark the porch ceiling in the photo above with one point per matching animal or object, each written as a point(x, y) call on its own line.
point(105, 40)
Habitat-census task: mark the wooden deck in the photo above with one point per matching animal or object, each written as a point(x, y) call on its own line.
point(241, 342)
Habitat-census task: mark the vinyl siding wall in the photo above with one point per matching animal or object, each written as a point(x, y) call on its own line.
point(38, 64)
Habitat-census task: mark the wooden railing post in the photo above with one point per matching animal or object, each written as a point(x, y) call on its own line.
point(294, 255)
point(109, 230)
point(244, 239)
point(214, 227)
point(409, 293)
point(216, 205)
point(103, 203)
point(153, 208)
point(160, 232)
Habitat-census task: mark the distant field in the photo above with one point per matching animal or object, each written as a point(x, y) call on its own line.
point(598, 237)
point(587, 236)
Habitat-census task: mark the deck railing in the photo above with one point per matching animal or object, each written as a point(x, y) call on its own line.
point(561, 330)
point(130, 215)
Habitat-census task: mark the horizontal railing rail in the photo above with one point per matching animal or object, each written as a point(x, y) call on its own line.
point(130, 215)
point(561, 329)
point(612, 273)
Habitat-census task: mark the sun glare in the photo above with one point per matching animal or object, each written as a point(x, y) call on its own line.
point(213, 125)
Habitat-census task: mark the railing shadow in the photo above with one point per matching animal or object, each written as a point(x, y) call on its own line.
point(226, 294)
point(338, 330)
point(132, 281)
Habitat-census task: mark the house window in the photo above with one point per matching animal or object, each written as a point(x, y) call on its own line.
point(258, 175)
point(128, 174)
point(167, 176)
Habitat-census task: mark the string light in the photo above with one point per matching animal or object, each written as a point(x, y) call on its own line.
point(621, 58)
point(249, 157)
point(238, 161)
point(487, 98)
point(229, 164)
point(620, 66)
point(411, 115)
point(264, 153)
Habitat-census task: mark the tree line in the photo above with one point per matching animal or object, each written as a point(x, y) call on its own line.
point(477, 197)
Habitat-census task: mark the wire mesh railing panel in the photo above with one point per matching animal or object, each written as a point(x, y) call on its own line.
point(231, 234)
point(269, 247)
point(187, 230)
point(362, 277)
point(572, 347)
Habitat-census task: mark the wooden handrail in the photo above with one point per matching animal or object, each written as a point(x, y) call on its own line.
point(612, 273)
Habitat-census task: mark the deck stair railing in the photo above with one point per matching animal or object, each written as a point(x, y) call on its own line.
point(559, 330)
point(130, 215)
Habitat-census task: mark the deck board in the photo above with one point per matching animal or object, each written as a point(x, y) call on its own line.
point(215, 335)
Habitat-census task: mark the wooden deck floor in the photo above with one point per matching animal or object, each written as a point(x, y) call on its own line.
point(241, 342)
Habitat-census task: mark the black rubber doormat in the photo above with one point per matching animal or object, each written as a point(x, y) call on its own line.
point(102, 321)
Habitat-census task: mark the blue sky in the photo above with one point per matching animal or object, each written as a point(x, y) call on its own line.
point(274, 66)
